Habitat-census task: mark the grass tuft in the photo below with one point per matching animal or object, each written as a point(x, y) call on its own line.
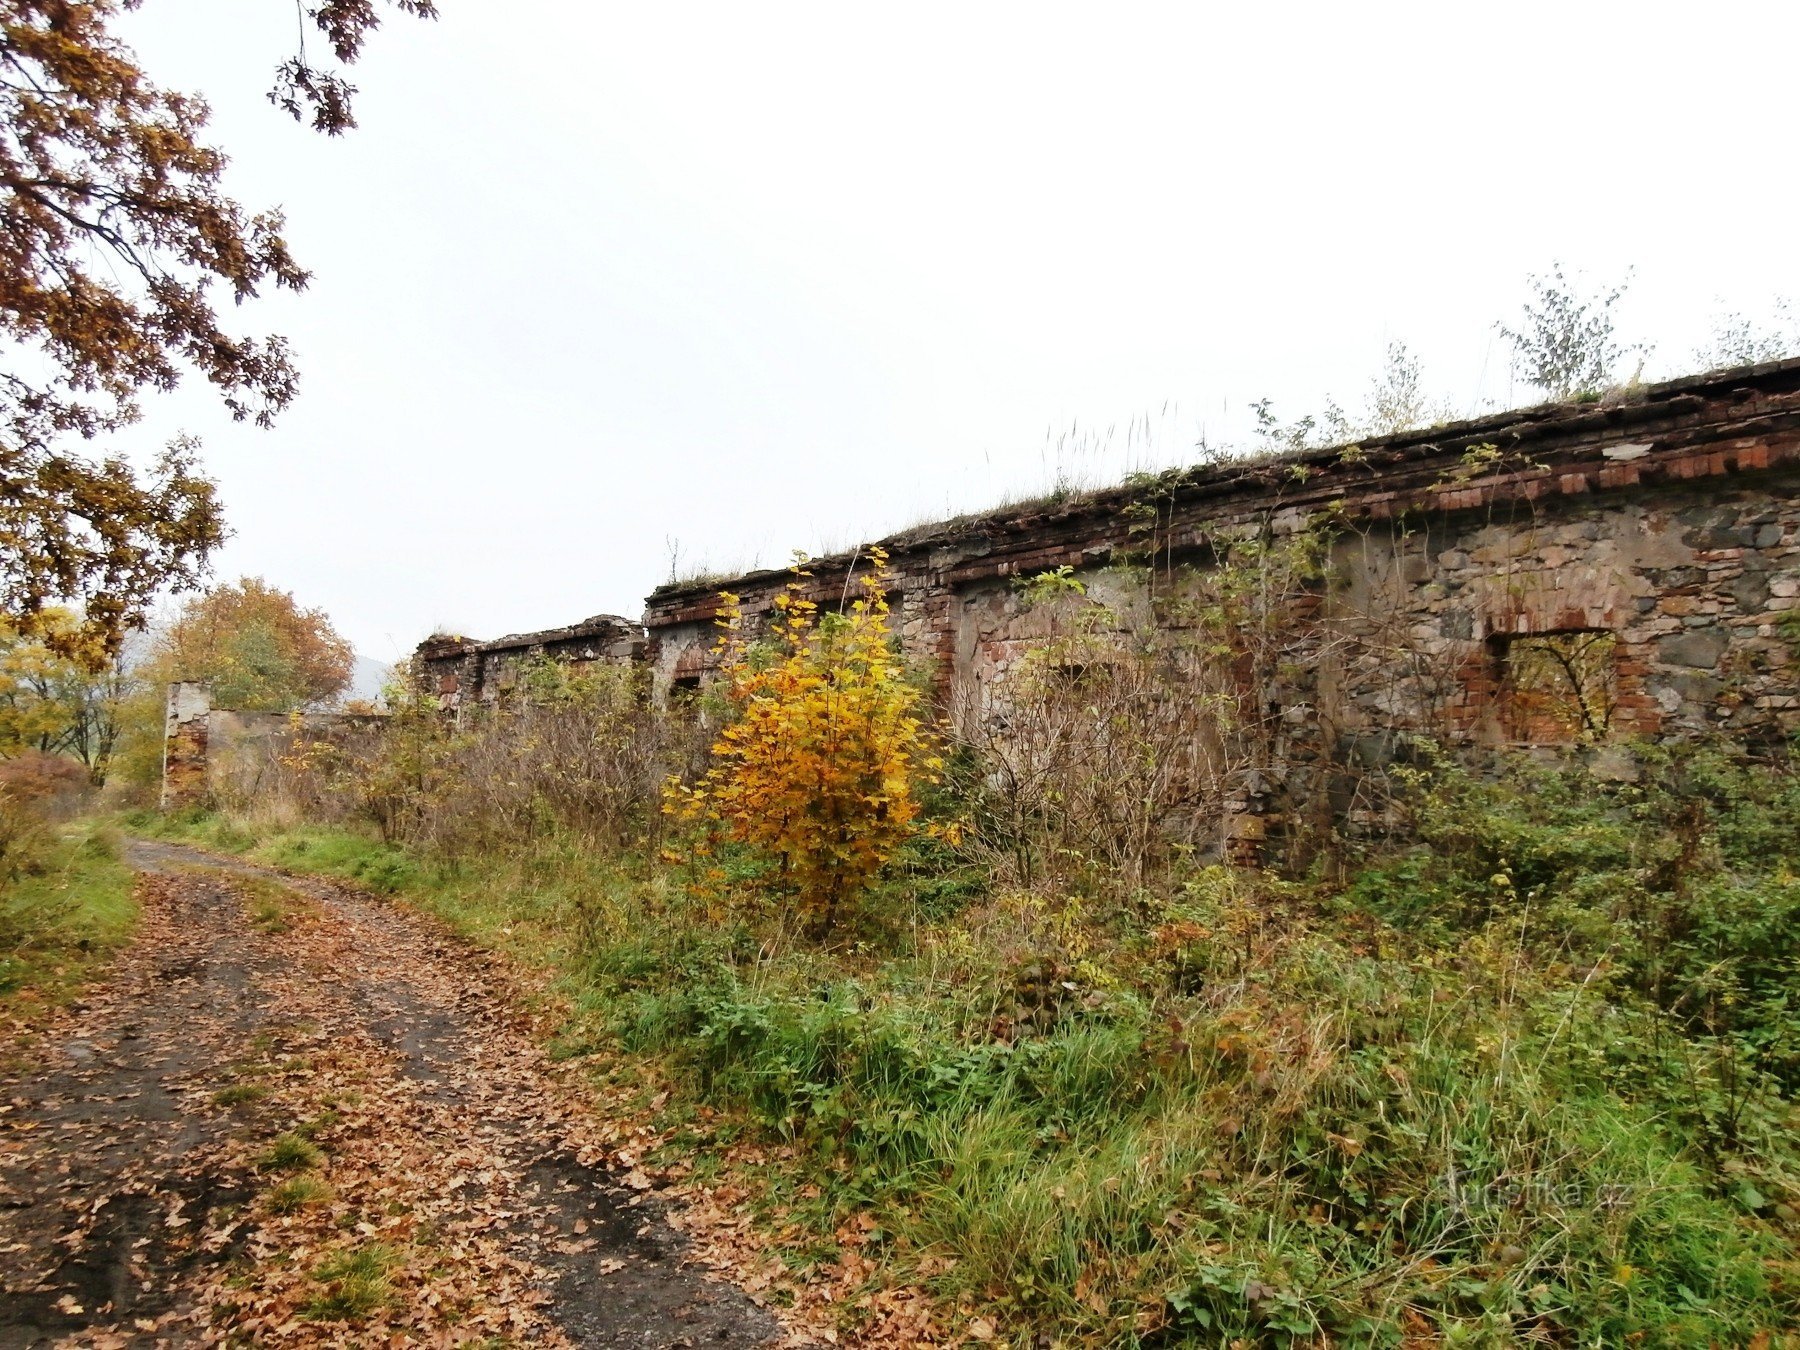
point(355, 1284)
point(239, 1094)
point(305, 1191)
point(291, 1153)
point(269, 916)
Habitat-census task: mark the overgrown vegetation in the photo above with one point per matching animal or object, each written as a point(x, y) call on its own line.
point(1134, 727)
point(1566, 343)
point(65, 897)
point(576, 754)
point(1521, 1069)
point(1395, 401)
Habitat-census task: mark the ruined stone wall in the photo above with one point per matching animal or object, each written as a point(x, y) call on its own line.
point(1690, 584)
point(185, 745)
point(1643, 552)
point(463, 673)
point(1667, 521)
point(219, 755)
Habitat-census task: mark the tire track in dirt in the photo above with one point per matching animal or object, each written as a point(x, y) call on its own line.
point(282, 1079)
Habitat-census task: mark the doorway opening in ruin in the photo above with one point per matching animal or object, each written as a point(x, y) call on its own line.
point(1556, 688)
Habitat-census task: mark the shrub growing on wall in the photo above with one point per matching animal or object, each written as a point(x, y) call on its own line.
point(817, 769)
point(1135, 729)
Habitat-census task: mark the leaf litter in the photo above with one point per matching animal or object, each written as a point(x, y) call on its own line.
point(342, 1129)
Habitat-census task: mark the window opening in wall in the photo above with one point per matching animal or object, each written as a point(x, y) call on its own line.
point(1557, 688)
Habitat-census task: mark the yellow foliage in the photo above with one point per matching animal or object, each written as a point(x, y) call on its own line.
point(819, 767)
point(60, 693)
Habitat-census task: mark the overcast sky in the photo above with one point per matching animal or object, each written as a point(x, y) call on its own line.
point(594, 277)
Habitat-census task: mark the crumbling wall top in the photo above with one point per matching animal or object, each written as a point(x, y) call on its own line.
point(1733, 421)
point(603, 628)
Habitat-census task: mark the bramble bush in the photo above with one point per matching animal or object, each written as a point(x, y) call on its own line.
point(575, 755)
point(1121, 739)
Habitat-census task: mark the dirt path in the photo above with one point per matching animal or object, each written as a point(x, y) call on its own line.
point(295, 1115)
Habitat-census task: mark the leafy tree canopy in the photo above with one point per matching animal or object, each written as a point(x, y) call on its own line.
point(116, 242)
point(57, 697)
point(256, 646)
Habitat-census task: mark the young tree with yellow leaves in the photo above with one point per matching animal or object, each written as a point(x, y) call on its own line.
point(819, 768)
point(60, 694)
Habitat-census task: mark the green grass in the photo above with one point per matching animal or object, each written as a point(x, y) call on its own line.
point(544, 889)
point(355, 1284)
point(326, 852)
point(305, 1191)
point(270, 916)
point(239, 1094)
point(291, 1152)
point(1530, 1079)
point(66, 914)
point(272, 907)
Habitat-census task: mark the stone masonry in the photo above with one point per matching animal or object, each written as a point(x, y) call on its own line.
point(462, 672)
point(184, 744)
point(1654, 535)
point(213, 755)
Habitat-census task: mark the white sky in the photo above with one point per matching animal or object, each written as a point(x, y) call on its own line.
point(591, 277)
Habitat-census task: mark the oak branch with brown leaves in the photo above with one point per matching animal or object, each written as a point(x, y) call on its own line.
point(118, 241)
point(313, 93)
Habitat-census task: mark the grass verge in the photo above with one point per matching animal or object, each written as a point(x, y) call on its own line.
point(67, 911)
